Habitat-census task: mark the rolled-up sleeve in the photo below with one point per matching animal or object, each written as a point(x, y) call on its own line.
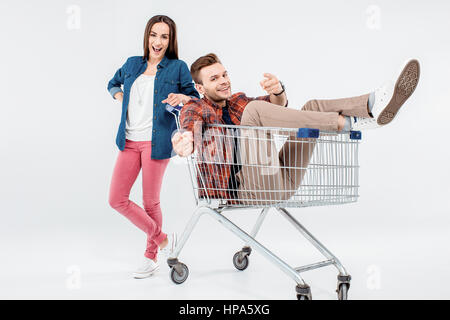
point(115, 84)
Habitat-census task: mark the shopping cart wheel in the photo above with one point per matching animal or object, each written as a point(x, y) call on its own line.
point(342, 291)
point(240, 260)
point(343, 286)
point(179, 273)
point(303, 292)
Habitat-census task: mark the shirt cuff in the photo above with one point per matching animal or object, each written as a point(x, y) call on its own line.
point(114, 90)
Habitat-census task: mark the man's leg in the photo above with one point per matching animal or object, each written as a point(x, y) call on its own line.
point(294, 157)
point(267, 175)
point(265, 114)
point(261, 181)
point(317, 114)
point(351, 107)
point(296, 153)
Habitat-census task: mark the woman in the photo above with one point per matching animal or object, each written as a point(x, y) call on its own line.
point(149, 83)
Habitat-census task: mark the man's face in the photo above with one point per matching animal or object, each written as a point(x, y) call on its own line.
point(216, 85)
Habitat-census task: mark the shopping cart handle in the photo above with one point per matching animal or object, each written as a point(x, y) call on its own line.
point(307, 133)
point(355, 135)
point(314, 133)
point(172, 108)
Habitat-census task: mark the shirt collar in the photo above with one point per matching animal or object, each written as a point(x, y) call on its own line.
point(214, 105)
point(163, 63)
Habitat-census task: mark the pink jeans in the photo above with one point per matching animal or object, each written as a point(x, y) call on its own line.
point(137, 155)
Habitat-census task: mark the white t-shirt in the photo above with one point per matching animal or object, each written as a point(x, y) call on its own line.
point(140, 109)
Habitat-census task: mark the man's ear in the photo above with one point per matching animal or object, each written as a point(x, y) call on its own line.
point(200, 88)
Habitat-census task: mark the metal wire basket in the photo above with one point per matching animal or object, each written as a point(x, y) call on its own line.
point(238, 167)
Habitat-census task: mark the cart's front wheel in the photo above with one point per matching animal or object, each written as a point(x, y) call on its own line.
point(343, 291)
point(302, 297)
point(240, 260)
point(179, 273)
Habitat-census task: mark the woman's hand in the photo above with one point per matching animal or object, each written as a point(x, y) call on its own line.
point(119, 96)
point(183, 143)
point(175, 99)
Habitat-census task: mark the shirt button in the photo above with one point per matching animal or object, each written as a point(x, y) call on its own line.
point(156, 91)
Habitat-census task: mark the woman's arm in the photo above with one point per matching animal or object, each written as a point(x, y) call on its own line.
point(186, 88)
point(115, 84)
point(186, 85)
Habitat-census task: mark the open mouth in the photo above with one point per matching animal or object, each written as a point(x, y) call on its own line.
point(225, 89)
point(156, 50)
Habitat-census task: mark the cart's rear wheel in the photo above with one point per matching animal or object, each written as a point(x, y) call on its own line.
point(343, 291)
point(179, 273)
point(240, 260)
point(303, 292)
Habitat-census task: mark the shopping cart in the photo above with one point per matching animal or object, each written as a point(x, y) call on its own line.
point(238, 167)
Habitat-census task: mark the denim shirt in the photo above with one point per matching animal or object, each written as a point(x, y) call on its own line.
point(172, 76)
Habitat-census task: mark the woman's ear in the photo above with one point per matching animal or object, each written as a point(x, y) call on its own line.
point(200, 88)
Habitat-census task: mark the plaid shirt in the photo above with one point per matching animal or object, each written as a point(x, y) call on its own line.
point(195, 115)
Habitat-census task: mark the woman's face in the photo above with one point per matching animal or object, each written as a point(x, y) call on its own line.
point(158, 42)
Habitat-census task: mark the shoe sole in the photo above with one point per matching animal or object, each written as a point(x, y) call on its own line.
point(404, 87)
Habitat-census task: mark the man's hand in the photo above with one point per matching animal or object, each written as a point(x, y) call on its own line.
point(271, 84)
point(175, 99)
point(119, 96)
point(183, 143)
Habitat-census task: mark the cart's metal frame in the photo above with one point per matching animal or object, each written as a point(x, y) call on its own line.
point(215, 209)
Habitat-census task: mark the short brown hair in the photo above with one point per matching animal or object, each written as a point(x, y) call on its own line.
point(201, 63)
point(172, 50)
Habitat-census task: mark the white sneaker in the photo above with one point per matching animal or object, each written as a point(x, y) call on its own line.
point(148, 268)
point(390, 97)
point(359, 123)
point(170, 247)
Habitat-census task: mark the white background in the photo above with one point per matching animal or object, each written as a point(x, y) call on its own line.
point(59, 237)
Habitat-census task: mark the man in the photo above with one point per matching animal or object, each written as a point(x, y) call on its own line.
point(218, 105)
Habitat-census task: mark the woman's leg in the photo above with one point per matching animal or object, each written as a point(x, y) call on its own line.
point(152, 176)
point(126, 170)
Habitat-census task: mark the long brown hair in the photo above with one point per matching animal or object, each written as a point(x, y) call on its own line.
point(172, 50)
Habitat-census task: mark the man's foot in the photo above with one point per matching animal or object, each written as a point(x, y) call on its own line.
point(168, 245)
point(390, 97)
point(358, 123)
point(148, 268)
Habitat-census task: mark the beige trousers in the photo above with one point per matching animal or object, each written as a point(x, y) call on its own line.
point(268, 176)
